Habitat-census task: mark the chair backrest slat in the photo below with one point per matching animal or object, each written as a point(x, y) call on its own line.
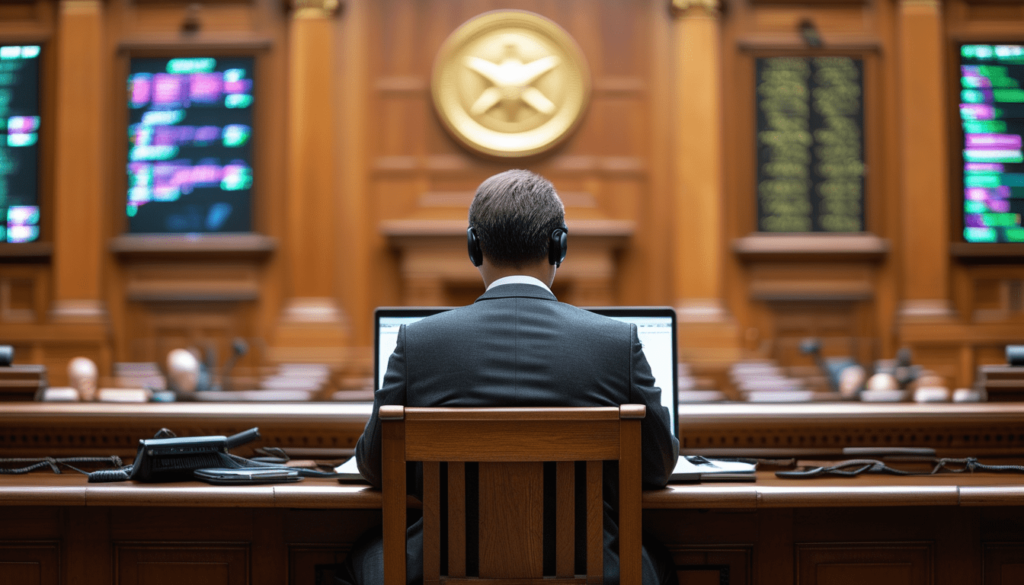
point(512, 517)
point(630, 508)
point(595, 524)
point(565, 519)
point(456, 519)
point(511, 446)
point(431, 522)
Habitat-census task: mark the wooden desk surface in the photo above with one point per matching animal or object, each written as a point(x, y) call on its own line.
point(44, 489)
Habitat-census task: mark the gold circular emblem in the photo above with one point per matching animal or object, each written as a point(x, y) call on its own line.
point(510, 84)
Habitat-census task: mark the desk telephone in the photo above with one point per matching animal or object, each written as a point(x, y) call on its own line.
point(169, 458)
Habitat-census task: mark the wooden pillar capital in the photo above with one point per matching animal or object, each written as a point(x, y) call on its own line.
point(313, 8)
point(686, 8)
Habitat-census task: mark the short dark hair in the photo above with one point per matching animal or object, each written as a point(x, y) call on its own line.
point(513, 215)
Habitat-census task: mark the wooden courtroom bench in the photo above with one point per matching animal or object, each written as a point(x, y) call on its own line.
point(880, 530)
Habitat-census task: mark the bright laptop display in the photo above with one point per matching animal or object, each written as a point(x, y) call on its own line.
point(656, 327)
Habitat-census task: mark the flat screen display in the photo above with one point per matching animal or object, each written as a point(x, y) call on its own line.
point(19, 148)
point(810, 144)
point(190, 137)
point(992, 117)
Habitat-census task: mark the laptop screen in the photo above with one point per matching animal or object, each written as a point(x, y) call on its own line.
point(655, 328)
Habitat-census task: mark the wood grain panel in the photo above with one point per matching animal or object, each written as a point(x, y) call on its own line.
point(488, 441)
point(414, 163)
point(27, 562)
point(1003, 563)
point(314, 564)
point(512, 509)
point(167, 563)
point(859, 563)
point(713, 565)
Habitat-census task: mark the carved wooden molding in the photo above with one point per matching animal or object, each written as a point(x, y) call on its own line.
point(146, 247)
point(811, 3)
point(30, 252)
point(802, 247)
point(313, 8)
point(711, 7)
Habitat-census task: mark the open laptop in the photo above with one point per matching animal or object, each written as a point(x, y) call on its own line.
point(656, 328)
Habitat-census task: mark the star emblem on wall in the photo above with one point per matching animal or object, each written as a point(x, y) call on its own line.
point(512, 83)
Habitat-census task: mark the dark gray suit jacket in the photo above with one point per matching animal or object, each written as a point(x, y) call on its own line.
point(518, 346)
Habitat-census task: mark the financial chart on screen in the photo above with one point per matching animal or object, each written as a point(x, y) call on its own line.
point(190, 145)
point(19, 148)
point(992, 117)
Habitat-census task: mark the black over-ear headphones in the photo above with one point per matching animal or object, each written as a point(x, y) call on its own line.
point(476, 255)
point(558, 245)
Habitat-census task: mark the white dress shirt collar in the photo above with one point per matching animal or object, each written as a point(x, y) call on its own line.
point(519, 279)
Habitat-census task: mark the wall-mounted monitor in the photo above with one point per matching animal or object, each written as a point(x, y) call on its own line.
point(992, 118)
point(810, 144)
point(190, 145)
point(19, 147)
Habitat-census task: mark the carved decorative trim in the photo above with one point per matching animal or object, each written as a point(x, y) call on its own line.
point(710, 7)
point(314, 8)
point(810, 2)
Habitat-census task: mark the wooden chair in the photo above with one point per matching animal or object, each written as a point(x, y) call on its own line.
point(511, 446)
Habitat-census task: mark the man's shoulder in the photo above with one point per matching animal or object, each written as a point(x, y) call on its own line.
point(561, 314)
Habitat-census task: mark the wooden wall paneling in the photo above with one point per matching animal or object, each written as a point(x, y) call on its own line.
point(88, 553)
point(860, 288)
point(314, 564)
point(714, 565)
point(854, 563)
point(418, 172)
point(775, 548)
point(24, 293)
point(154, 563)
point(245, 285)
point(27, 18)
point(25, 561)
point(1003, 563)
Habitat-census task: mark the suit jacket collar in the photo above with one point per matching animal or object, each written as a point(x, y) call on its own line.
point(517, 290)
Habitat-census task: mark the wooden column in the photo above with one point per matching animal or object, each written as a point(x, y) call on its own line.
point(698, 187)
point(359, 237)
point(923, 158)
point(79, 162)
point(312, 326)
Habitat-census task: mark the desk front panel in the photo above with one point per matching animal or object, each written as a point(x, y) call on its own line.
point(868, 531)
point(823, 429)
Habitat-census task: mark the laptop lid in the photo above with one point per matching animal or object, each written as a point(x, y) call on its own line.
point(656, 328)
point(386, 322)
